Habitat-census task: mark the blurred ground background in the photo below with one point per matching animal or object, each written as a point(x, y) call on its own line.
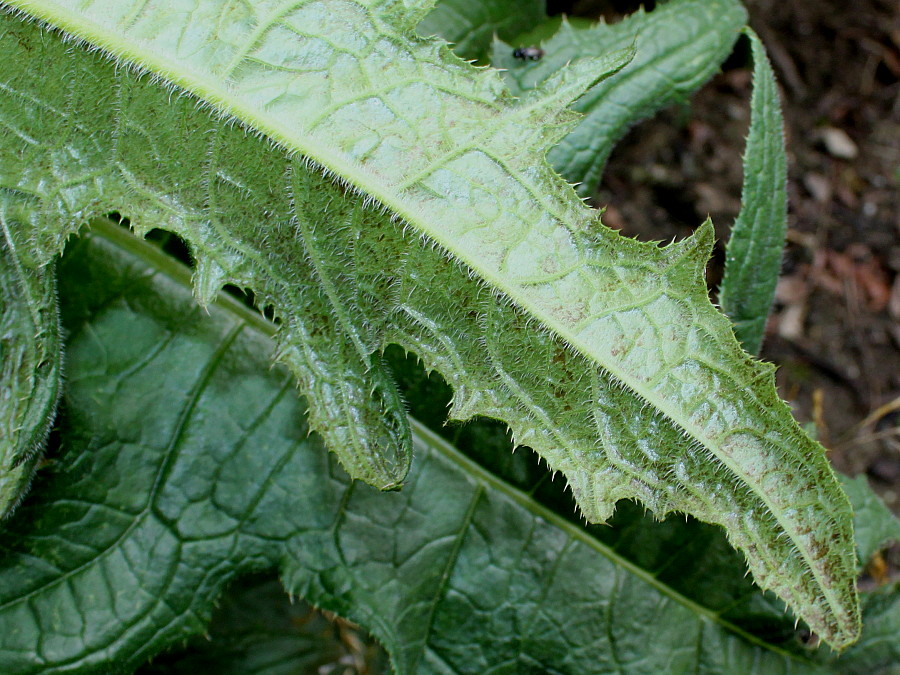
point(835, 331)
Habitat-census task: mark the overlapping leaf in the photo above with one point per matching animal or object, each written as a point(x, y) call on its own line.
point(30, 363)
point(187, 461)
point(469, 25)
point(875, 525)
point(679, 46)
point(256, 630)
point(602, 353)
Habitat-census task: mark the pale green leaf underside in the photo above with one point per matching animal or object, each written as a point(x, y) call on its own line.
point(602, 353)
point(188, 462)
point(753, 255)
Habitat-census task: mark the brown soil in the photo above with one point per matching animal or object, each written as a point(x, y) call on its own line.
point(835, 330)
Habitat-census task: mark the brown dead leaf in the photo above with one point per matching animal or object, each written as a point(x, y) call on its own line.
point(792, 293)
point(857, 275)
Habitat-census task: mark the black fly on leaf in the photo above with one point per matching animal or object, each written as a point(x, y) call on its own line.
point(528, 53)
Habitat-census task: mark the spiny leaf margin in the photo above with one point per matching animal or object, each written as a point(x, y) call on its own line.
point(191, 462)
point(480, 188)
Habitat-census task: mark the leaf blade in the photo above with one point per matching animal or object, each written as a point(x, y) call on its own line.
point(629, 322)
point(167, 492)
point(874, 523)
point(256, 629)
point(753, 253)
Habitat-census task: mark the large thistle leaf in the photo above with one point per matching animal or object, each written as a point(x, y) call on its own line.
point(602, 353)
point(187, 461)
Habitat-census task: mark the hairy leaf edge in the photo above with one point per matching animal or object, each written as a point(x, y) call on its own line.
point(25, 447)
point(340, 168)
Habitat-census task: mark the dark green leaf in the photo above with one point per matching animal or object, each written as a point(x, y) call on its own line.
point(873, 523)
point(471, 24)
point(544, 30)
point(678, 47)
point(186, 462)
point(257, 630)
point(878, 650)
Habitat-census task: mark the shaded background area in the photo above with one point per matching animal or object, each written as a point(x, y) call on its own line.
point(835, 331)
point(257, 629)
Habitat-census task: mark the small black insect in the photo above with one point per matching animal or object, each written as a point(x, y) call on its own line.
point(528, 53)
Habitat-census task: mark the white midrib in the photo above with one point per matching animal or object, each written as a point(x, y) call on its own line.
point(227, 103)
